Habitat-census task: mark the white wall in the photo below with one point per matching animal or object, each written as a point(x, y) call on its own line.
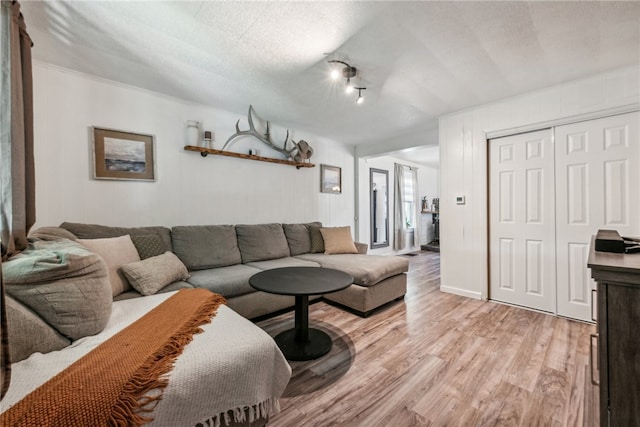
point(463, 163)
point(428, 184)
point(189, 189)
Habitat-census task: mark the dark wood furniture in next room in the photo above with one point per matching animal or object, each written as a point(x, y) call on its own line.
point(618, 336)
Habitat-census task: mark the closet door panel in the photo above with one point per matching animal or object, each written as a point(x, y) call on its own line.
point(597, 187)
point(522, 224)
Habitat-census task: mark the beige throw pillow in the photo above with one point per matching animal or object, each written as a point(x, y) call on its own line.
point(116, 252)
point(152, 274)
point(338, 240)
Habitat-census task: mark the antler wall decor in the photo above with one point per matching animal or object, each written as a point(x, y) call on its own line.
point(302, 149)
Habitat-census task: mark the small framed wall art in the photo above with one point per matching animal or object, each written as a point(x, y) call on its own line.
point(123, 155)
point(330, 179)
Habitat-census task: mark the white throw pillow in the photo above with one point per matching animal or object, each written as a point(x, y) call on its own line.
point(116, 252)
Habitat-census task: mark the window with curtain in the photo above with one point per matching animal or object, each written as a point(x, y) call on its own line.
point(405, 207)
point(409, 206)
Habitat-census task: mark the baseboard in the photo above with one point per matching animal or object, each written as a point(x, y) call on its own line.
point(461, 292)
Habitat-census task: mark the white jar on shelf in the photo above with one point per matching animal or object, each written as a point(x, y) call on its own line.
point(193, 132)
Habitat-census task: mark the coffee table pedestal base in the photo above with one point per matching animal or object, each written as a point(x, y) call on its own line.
point(318, 344)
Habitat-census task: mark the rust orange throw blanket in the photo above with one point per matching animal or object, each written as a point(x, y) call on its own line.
point(111, 384)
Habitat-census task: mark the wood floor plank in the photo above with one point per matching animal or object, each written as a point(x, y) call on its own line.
point(438, 359)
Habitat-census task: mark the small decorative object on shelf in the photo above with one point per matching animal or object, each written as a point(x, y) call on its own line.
point(208, 139)
point(193, 132)
point(425, 204)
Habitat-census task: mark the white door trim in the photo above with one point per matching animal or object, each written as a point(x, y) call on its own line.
point(599, 114)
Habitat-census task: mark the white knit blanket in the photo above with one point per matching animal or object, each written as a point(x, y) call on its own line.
point(232, 366)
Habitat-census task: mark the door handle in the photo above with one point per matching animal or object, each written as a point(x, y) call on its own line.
point(591, 337)
point(594, 296)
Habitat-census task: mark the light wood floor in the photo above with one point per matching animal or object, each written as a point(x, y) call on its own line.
point(441, 360)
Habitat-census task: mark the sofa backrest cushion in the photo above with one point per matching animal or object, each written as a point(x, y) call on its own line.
point(51, 233)
point(260, 242)
point(298, 237)
point(94, 231)
point(206, 246)
point(63, 283)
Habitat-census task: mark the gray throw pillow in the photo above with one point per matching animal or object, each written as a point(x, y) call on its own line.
point(152, 274)
point(298, 237)
point(317, 242)
point(148, 245)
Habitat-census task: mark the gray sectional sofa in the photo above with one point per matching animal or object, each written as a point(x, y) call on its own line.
point(222, 258)
point(66, 297)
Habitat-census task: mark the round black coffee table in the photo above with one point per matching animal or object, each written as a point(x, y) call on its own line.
point(301, 342)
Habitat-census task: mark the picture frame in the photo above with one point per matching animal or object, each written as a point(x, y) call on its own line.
point(330, 179)
point(123, 155)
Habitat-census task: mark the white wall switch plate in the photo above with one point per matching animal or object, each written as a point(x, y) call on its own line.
point(460, 200)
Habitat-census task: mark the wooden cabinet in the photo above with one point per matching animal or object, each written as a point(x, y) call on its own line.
point(618, 337)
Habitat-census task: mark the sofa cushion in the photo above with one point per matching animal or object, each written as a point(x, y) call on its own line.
point(28, 333)
point(148, 245)
point(52, 233)
point(282, 262)
point(338, 240)
point(152, 274)
point(116, 252)
point(206, 246)
point(228, 281)
point(63, 283)
point(298, 237)
point(367, 270)
point(94, 231)
point(317, 243)
point(261, 241)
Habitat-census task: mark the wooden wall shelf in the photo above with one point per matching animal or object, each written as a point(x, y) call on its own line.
point(206, 151)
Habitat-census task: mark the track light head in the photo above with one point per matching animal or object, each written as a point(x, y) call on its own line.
point(348, 72)
point(360, 98)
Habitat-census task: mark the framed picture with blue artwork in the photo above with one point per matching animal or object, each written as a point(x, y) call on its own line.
point(123, 155)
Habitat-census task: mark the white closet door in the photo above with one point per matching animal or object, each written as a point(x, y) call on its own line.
point(522, 220)
point(598, 186)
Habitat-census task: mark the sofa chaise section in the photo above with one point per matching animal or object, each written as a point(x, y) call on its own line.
point(377, 279)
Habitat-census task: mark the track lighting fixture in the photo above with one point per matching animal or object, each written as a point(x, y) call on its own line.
point(349, 89)
point(347, 72)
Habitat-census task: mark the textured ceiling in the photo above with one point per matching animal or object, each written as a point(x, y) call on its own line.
point(418, 60)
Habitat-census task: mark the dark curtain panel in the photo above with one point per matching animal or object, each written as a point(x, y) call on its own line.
point(17, 176)
point(17, 191)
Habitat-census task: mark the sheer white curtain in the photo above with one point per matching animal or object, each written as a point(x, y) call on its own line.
point(405, 218)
